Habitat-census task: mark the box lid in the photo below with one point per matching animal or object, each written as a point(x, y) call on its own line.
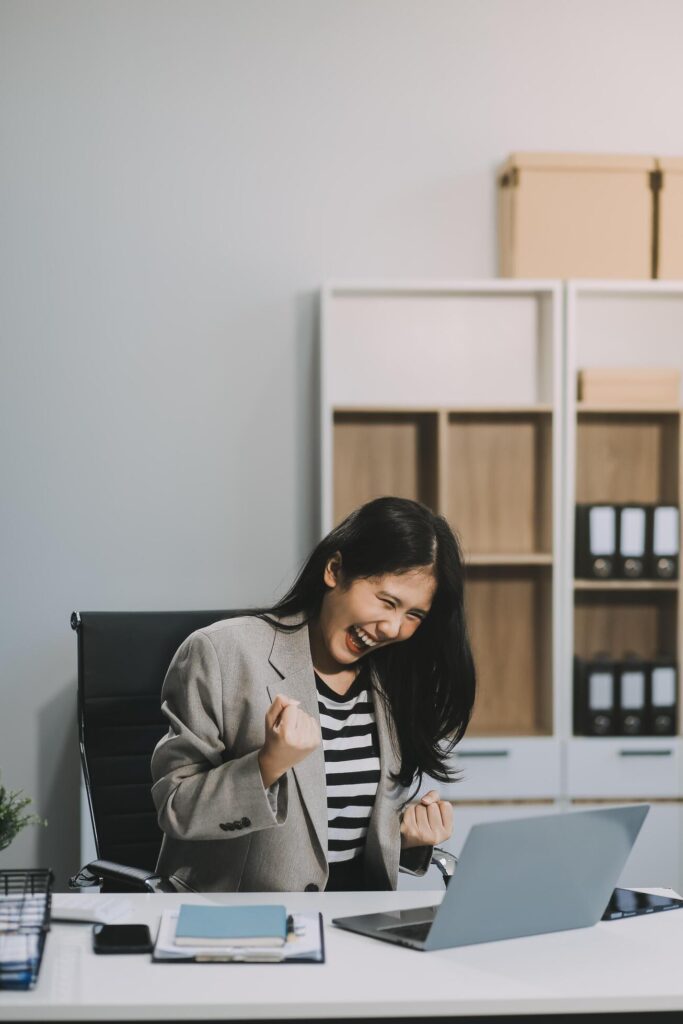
point(579, 162)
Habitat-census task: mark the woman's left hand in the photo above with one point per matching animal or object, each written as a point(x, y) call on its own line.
point(428, 823)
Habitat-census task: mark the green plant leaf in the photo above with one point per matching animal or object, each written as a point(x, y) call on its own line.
point(12, 816)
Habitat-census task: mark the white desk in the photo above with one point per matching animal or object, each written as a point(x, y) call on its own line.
point(625, 965)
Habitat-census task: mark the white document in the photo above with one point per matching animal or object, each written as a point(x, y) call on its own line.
point(22, 948)
point(19, 911)
point(93, 907)
point(304, 943)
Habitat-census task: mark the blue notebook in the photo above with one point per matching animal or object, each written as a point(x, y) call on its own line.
point(255, 925)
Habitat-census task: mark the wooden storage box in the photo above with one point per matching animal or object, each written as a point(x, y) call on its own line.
point(670, 219)
point(626, 386)
point(576, 215)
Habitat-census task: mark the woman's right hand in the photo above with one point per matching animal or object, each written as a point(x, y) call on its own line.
point(291, 735)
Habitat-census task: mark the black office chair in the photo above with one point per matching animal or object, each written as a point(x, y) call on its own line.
point(122, 662)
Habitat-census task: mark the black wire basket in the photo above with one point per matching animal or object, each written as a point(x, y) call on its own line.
point(25, 900)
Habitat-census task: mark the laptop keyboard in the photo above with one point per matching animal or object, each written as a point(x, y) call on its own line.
point(417, 932)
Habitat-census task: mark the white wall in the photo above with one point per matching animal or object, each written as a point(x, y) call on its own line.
point(177, 178)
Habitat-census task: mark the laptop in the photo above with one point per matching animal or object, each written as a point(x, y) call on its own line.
point(521, 877)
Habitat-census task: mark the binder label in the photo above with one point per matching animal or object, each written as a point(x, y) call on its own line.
point(632, 540)
point(600, 686)
point(602, 530)
point(665, 531)
point(632, 690)
point(663, 687)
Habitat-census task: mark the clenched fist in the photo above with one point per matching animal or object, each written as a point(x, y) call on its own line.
point(291, 735)
point(428, 823)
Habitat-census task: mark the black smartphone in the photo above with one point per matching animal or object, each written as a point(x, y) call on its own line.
point(627, 903)
point(121, 938)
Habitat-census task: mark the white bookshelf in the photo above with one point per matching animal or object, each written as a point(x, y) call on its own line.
point(625, 324)
point(439, 355)
point(464, 363)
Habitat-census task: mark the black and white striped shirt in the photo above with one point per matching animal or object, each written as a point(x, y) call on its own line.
point(352, 766)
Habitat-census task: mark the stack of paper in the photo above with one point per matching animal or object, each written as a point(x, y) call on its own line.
point(95, 907)
point(257, 933)
point(22, 920)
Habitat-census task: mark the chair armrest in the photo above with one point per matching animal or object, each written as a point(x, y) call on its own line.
point(136, 879)
point(446, 863)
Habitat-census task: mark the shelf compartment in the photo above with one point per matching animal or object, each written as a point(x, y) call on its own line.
point(509, 613)
point(460, 329)
point(627, 457)
point(616, 622)
point(498, 492)
point(379, 453)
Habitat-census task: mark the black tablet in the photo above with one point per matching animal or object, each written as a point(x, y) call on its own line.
point(627, 903)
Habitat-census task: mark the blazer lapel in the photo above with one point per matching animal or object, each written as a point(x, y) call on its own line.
point(384, 828)
point(290, 656)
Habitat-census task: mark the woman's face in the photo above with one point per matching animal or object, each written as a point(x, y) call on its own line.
point(370, 613)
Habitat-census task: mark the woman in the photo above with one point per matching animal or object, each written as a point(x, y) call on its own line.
point(296, 732)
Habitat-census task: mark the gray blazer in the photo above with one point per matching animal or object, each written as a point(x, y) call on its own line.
point(222, 830)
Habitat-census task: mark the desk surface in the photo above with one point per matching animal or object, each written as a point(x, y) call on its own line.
point(625, 965)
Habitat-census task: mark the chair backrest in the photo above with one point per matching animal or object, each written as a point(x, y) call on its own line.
point(122, 662)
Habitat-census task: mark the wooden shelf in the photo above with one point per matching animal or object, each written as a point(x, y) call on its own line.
point(628, 410)
point(616, 585)
point(380, 453)
point(541, 409)
point(505, 730)
point(509, 559)
point(509, 612)
point(620, 620)
point(621, 458)
point(384, 410)
point(497, 487)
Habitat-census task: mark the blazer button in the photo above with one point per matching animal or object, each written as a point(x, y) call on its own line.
point(246, 822)
point(227, 826)
point(312, 887)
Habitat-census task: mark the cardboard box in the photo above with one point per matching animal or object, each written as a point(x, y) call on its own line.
point(576, 215)
point(670, 219)
point(630, 386)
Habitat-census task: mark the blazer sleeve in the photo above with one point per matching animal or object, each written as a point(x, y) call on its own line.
point(415, 860)
point(199, 791)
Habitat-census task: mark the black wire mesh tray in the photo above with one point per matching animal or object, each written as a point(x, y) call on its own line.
point(25, 900)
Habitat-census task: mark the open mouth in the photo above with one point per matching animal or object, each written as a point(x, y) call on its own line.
point(358, 640)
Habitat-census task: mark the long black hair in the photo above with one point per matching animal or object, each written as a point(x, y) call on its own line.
point(428, 682)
